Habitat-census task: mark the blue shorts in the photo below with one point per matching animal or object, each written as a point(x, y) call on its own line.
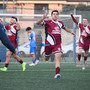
point(32, 50)
point(5, 40)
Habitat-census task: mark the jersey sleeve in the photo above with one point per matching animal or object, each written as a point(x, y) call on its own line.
point(6, 27)
point(31, 35)
point(61, 24)
point(80, 25)
point(89, 27)
point(15, 27)
point(45, 22)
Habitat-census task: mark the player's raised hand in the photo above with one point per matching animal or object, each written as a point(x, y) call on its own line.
point(45, 15)
point(71, 14)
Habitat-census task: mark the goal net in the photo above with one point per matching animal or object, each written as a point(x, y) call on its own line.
point(69, 43)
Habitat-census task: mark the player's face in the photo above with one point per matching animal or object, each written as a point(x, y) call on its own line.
point(85, 22)
point(13, 21)
point(55, 16)
point(29, 31)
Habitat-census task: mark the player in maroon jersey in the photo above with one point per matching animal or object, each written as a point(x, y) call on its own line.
point(84, 38)
point(12, 30)
point(53, 38)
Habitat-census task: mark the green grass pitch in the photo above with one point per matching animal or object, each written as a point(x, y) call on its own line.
point(41, 77)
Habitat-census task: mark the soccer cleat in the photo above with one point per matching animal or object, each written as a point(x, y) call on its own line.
point(24, 66)
point(84, 66)
point(3, 69)
point(32, 64)
point(37, 61)
point(57, 76)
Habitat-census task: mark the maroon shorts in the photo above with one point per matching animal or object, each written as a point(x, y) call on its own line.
point(84, 46)
point(52, 49)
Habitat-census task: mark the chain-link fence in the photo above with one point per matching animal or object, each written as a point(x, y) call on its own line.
point(67, 39)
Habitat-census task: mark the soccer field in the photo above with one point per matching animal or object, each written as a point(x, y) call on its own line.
point(41, 77)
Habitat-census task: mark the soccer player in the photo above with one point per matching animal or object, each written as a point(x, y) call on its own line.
point(84, 38)
point(9, 41)
point(53, 38)
point(32, 37)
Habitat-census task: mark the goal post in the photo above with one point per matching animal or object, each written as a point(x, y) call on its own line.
point(26, 20)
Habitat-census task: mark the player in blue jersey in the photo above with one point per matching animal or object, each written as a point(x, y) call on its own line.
point(32, 37)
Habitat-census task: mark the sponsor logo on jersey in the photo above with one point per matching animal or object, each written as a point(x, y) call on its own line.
point(58, 49)
point(56, 31)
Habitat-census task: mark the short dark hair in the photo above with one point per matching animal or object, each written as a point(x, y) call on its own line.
point(54, 11)
point(28, 28)
point(14, 18)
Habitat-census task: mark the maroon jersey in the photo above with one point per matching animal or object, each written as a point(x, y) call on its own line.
point(85, 37)
point(85, 32)
point(53, 31)
point(12, 33)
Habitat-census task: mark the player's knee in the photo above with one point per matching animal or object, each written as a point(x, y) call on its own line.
point(14, 55)
point(7, 56)
point(30, 54)
point(46, 58)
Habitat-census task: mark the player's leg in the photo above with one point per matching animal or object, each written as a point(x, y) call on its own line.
point(20, 61)
point(80, 51)
point(57, 50)
point(79, 54)
point(34, 59)
point(5, 40)
point(86, 49)
point(84, 63)
point(32, 53)
point(85, 56)
point(9, 53)
point(57, 65)
point(33, 56)
point(47, 52)
point(46, 57)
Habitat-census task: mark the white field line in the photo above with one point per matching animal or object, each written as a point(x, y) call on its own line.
point(45, 70)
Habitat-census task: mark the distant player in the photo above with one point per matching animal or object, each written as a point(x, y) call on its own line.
point(12, 30)
point(32, 37)
point(53, 38)
point(84, 39)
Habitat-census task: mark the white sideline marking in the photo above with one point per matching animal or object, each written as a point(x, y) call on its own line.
point(44, 70)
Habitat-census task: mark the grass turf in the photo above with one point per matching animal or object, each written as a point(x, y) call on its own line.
point(41, 77)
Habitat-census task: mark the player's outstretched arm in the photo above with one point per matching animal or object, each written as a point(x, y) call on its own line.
point(40, 21)
point(1, 21)
point(73, 18)
point(68, 30)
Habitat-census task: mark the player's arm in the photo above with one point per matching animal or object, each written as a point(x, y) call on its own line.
point(40, 21)
point(68, 30)
point(73, 18)
point(1, 21)
point(28, 36)
point(18, 26)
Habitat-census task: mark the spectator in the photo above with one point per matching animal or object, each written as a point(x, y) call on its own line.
point(38, 42)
